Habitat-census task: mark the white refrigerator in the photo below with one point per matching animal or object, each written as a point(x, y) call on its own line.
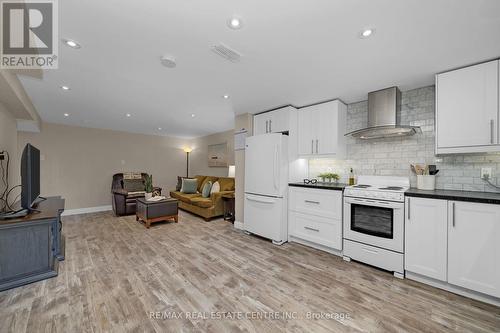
point(266, 184)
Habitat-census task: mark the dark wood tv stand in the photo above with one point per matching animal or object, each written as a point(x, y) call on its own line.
point(31, 247)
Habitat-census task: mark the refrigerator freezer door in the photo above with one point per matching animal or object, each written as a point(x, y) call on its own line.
point(266, 217)
point(266, 165)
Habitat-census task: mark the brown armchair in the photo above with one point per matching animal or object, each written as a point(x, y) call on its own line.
point(124, 203)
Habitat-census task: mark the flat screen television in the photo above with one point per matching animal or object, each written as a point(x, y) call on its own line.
point(30, 176)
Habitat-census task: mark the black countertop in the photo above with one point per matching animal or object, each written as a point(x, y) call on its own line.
point(322, 186)
point(471, 196)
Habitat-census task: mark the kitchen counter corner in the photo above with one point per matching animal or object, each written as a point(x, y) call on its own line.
point(322, 186)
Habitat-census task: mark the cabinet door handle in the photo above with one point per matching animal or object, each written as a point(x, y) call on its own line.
point(408, 208)
point(453, 214)
point(313, 202)
point(312, 229)
point(316, 146)
point(312, 146)
point(492, 131)
point(267, 123)
point(270, 126)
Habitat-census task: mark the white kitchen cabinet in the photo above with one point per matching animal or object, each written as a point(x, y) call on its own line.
point(315, 215)
point(273, 121)
point(426, 229)
point(467, 109)
point(474, 246)
point(321, 129)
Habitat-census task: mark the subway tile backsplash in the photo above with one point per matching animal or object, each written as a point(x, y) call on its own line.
point(393, 156)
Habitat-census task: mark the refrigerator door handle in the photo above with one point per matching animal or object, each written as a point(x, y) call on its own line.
point(276, 166)
point(260, 199)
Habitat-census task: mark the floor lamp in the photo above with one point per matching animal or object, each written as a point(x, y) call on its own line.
point(187, 151)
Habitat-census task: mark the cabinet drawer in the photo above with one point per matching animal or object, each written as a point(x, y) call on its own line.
point(326, 203)
point(319, 230)
point(385, 259)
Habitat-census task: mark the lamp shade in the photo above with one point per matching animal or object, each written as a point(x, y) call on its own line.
point(232, 171)
point(188, 150)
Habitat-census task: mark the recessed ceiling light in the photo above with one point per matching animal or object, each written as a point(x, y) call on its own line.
point(72, 43)
point(64, 87)
point(366, 33)
point(193, 115)
point(226, 96)
point(235, 23)
point(168, 61)
point(128, 115)
point(159, 128)
point(66, 114)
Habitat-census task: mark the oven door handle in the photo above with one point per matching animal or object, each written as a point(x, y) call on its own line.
point(366, 202)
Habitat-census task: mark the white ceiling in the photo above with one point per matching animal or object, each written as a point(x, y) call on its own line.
point(294, 52)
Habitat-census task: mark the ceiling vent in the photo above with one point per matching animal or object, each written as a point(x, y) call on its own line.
point(226, 53)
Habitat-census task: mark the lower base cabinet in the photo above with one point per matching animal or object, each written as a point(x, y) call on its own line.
point(474, 246)
point(320, 230)
point(426, 228)
point(454, 241)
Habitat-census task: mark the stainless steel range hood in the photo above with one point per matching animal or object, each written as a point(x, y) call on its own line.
point(384, 116)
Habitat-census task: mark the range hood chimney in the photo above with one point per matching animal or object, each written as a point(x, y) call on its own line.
point(384, 116)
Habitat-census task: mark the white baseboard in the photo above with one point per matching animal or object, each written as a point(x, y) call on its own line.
point(238, 225)
point(454, 289)
point(86, 210)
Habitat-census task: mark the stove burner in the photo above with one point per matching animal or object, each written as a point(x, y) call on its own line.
point(361, 186)
point(391, 188)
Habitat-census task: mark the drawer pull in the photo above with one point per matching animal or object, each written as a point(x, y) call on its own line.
point(312, 229)
point(313, 202)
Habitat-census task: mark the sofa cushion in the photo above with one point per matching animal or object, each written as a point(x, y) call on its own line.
point(215, 188)
point(184, 197)
point(179, 183)
point(202, 202)
point(208, 179)
point(200, 181)
point(226, 184)
point(133, 185)
point(189, 186)
point(205, 191)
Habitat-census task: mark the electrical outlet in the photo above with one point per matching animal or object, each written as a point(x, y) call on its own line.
point(485, 173)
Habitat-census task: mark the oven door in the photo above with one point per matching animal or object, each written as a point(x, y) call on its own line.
point(374, 222)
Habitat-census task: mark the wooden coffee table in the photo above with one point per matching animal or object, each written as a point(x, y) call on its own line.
point(156, 211)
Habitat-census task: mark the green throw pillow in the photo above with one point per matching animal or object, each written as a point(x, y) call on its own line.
point(189, 186)
point(133, 185)
point(205, 192)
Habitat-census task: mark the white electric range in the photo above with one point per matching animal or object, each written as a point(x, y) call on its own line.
point(374, 222)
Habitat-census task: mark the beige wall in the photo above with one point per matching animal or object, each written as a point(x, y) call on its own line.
point(242, 122)
point(78, 163)
point(8, 142)
point(199, 156)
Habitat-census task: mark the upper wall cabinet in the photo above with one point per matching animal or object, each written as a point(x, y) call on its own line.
point(467, 110)
point(273, 121)
point(321, 129)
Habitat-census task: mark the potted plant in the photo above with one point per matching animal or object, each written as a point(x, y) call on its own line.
point(331, 176)
point(148, 187)
point(323, 176)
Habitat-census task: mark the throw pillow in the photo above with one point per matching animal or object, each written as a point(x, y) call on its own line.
point(133, 185)
point(189, 186)
point(215, 188)
point(179, 183)
point(205, 192)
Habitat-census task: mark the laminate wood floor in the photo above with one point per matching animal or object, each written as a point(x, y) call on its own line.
point(209, 277)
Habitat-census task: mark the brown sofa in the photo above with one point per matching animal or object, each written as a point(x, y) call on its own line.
point(207, 208)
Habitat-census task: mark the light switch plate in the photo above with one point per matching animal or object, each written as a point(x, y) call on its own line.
point(486, 171)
